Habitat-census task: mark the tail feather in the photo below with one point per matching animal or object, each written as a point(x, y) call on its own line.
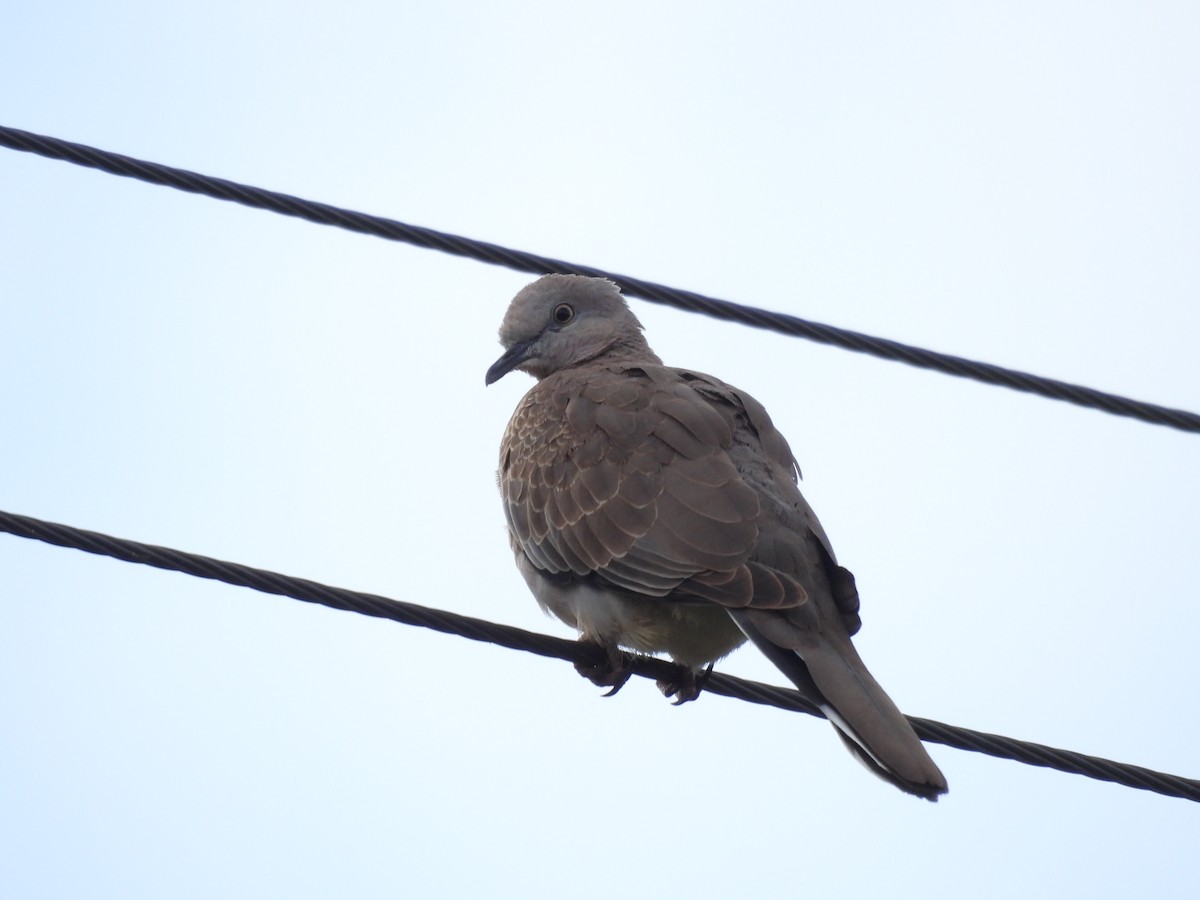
point(864, 716)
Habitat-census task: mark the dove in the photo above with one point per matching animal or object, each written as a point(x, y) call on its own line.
point(658, 510)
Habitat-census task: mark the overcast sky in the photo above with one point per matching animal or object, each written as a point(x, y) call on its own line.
point(1013, 182)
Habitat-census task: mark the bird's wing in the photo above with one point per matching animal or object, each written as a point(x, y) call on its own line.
point(631, 475)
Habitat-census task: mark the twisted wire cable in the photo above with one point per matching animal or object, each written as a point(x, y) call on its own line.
point(325, 214)
point(573, 651)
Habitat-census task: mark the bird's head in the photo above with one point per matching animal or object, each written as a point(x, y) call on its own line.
point(560, 321)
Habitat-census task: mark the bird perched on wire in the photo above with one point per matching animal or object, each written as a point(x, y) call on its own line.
point(658, 509)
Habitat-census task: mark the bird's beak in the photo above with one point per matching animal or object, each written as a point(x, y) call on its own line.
point(513, 357)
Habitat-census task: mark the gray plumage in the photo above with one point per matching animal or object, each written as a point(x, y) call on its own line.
point(658, 509)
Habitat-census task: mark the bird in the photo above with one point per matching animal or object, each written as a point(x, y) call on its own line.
point(658, 510)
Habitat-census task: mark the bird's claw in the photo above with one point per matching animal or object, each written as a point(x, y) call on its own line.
point(613, 673)
point(688, 687)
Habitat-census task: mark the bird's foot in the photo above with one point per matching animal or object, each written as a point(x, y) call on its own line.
point(688, 687)
point(612, 673)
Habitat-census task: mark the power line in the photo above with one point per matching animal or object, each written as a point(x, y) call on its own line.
point(574, 651)
point(325, 214)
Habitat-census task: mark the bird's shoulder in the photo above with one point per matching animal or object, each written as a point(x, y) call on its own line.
point(624, 405)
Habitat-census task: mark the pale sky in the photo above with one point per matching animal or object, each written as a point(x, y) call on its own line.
point(1012, 182)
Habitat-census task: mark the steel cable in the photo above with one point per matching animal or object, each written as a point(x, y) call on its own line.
point(325, 214)
point(574, 651)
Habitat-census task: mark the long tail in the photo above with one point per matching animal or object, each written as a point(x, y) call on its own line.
point(865, 718)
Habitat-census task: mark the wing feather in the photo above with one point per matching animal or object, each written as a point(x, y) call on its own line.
point(645, 478)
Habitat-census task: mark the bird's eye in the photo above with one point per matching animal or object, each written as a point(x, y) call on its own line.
point(563, 313)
